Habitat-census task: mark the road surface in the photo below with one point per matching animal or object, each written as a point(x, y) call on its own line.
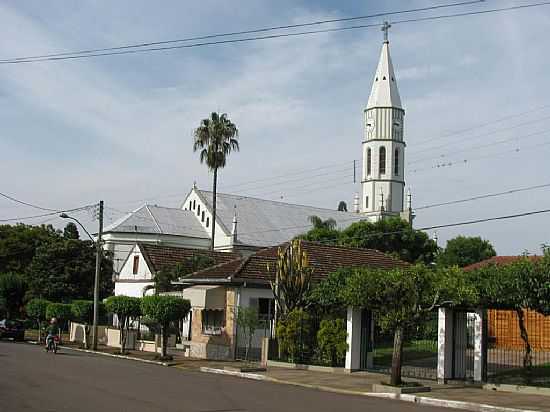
point(33, 380)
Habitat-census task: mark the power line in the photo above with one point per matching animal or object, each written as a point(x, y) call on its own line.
point(237, 33)
point(486, 196)
point(13, 199)
point(16, 219)
point(468, 149)
point(273, 36)
point(481, 125)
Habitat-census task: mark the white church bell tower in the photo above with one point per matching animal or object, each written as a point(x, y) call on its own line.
point(383, 180)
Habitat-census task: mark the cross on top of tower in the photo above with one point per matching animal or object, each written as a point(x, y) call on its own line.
point(385, 28)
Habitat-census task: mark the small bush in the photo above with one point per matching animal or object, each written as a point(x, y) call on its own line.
point(331, 340)
point(293, 334)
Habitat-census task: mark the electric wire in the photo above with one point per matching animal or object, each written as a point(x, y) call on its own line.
point(273, 36)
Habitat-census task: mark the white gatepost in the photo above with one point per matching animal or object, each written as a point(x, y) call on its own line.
point(444, 345)
point(353, 327)
point(480, 350)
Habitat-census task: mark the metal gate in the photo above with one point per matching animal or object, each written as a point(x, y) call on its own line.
point(419, 348)
point(463, 345)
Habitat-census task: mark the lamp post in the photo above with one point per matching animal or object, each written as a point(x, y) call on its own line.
point(98, 256)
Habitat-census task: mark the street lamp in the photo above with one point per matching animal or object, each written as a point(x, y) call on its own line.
point(98, 255)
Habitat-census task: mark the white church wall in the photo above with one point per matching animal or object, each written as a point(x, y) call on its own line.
point(194, 203)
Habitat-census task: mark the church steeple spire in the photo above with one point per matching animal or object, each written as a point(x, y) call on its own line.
point(384, 92)
point(383, 142)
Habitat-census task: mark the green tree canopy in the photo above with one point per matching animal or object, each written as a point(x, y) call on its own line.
point(36, 310)
point(71, 231)
point(61, 311)
point(12, 292)
point(391, 235)
point(463, 251)
point(18, 244)
point(165, 310)
point(64, 269)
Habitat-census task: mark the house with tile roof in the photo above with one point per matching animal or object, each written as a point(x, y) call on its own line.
point(146, 259)
point(216, 293)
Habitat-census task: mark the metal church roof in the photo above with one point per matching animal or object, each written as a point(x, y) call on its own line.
point(264, 223)
point(159, 220)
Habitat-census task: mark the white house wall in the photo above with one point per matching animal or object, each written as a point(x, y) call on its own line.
point(120, 244)
point(130, 284)
point(245, 295)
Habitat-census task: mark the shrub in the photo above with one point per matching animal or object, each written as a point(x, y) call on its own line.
point(331, 340)
point(293, 333)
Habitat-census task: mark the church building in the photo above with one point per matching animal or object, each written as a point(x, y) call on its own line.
point(245, 224)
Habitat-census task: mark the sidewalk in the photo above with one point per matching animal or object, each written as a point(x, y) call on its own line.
point(360, 383)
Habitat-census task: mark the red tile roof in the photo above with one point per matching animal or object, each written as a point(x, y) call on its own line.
point(324, 259)
point(498, 260)
point(158, 257)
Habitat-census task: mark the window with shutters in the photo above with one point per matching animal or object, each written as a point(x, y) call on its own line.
point(135, 267)
point(382, 161)
point(369, 161)
point(396, 163)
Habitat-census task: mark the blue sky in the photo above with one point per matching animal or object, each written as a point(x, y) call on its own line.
point(120, 128)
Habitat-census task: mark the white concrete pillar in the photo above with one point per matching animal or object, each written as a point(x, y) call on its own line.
point(353, 327)
point(480, 350)
point(444, 345)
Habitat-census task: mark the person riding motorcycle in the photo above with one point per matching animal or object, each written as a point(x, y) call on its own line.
point(52, 331)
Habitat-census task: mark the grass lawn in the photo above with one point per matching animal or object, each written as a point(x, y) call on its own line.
point(536, 376)
point(412, 350)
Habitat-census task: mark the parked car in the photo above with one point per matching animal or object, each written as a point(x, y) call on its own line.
point(12, 329)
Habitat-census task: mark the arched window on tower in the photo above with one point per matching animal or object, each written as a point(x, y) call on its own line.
point(396, 163)
point(369, 161)
point(382, 161)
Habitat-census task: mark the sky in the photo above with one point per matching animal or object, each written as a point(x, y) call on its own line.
point(119, 128)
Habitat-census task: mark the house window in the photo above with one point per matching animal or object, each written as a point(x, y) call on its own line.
point(382, 161)
point(369, 160)
point(266, 308)
point(202, 216)
point(212, 321)
point(207, 221)
point(135, 267)
point(396, 163)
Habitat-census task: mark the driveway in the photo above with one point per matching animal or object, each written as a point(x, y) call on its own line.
point(32, 380)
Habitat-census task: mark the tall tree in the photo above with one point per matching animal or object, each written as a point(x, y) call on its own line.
point(463, 251)
point(12, 292)
point(125, 308)
point(392, 235)
point(63, 270)
point(322, 230)
point(215, 138)
point(71, 231)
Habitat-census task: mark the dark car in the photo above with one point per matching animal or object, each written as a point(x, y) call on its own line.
point(12, 329)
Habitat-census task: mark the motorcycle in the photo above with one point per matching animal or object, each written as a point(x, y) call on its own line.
point(52, 344)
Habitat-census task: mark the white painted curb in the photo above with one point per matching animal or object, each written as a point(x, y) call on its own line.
point(444, 403)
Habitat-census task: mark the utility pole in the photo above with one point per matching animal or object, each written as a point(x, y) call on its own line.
point(99, 254)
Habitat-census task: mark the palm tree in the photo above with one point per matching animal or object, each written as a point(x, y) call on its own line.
point(318, 223)
point(216, 137)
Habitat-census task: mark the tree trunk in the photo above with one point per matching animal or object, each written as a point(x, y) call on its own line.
point(397, 356)
point(122, 326)
point(163, 341)
point(527, 357)
point(214, 191)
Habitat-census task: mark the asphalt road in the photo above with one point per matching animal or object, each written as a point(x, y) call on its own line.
point(33, 380)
